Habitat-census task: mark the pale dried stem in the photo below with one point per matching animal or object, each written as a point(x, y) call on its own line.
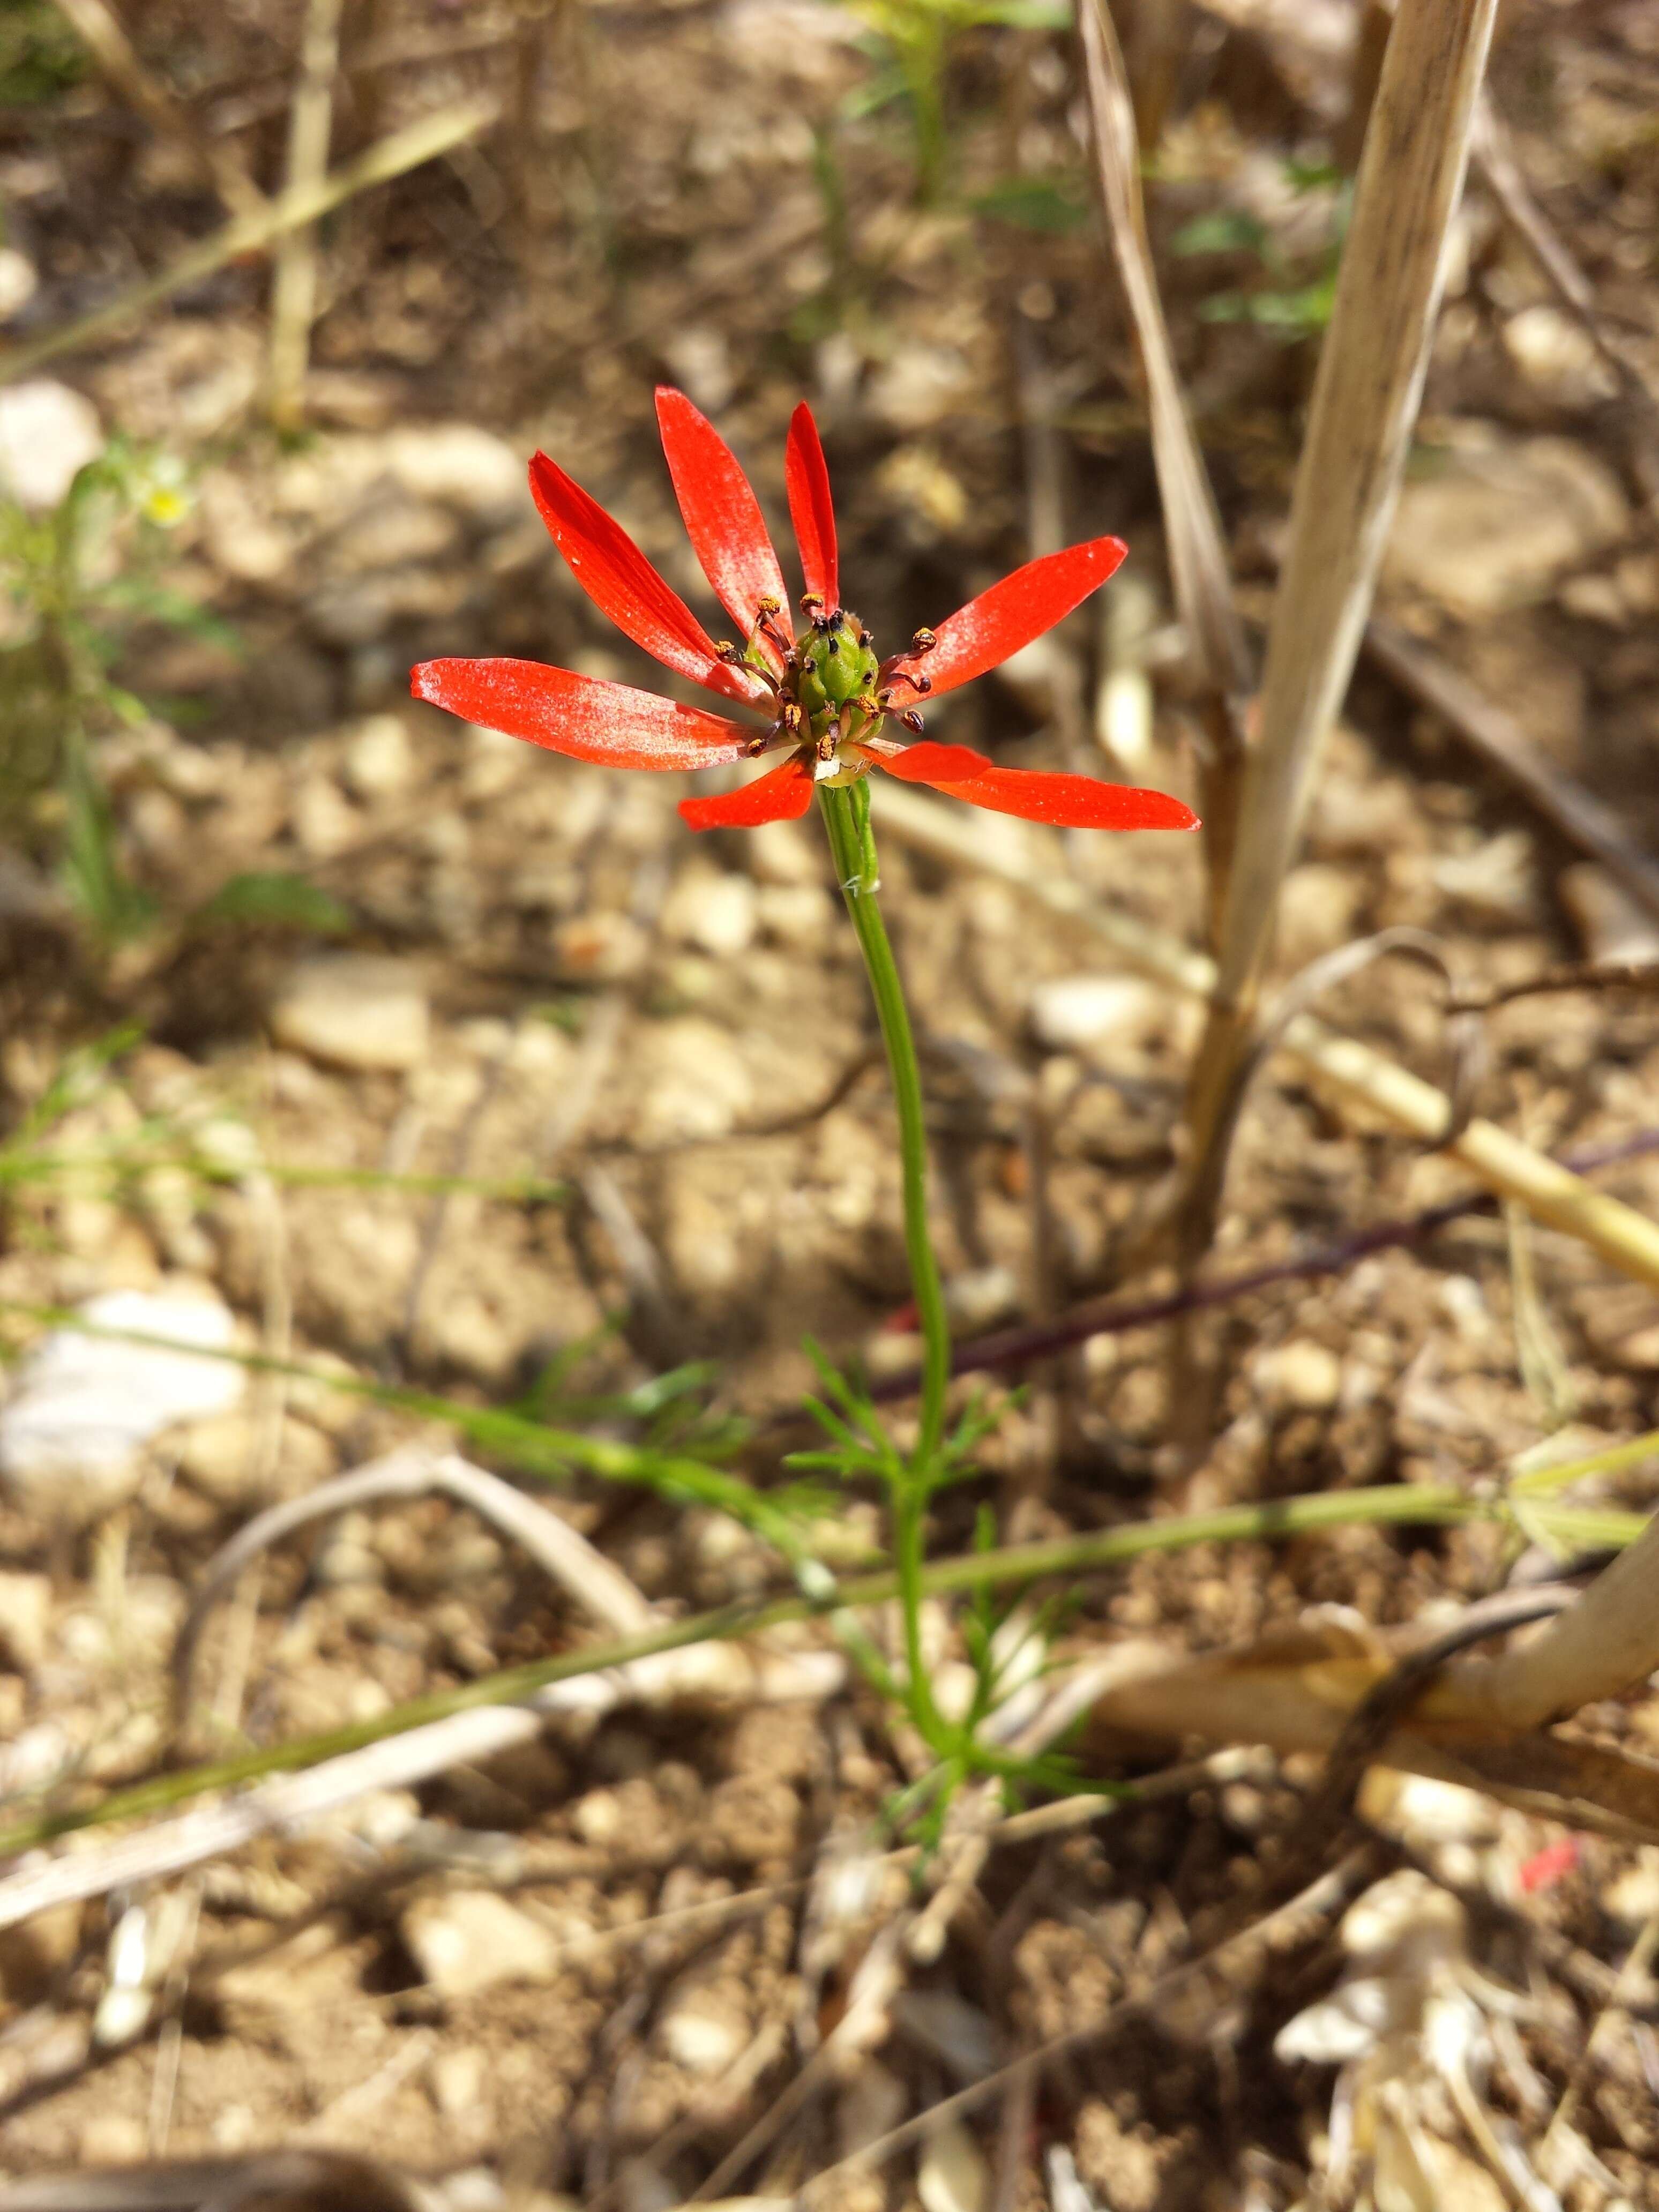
point(100, 28)
point(559, 1550)
point(1601, 1645)
point(294, 293)
point(1219, 658)
point(1313, 1906)
point(719, 1674)
point(1365, 397)
point(1625, 1238)
point(390, 157)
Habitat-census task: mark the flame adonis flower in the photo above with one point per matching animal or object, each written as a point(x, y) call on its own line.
point(826, 696)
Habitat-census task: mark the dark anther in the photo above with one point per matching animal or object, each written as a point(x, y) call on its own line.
point(725, 650)
point(790, 718)
point(923, 642)
point(827, 745)
point(754, 747)
point(912, 720)
point(920, 685)
point(832, 644)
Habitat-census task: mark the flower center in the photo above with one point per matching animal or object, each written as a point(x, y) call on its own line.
point(833, 691)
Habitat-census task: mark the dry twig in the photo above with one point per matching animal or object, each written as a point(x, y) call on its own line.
point(250, 233)
point(1365, 396)
point(294, 293)
point(1198, 555)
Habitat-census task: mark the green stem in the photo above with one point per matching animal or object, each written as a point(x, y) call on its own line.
point(846, 814)
point(1390, 1505)
point(846, 818)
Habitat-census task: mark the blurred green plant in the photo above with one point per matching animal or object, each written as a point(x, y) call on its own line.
point(79, 577)
point(910, 44)
point(40, 54)
point(1290, 302)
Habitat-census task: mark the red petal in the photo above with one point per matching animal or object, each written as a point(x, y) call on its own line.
point(811, 508)
point(1021, 607)
point(782, 795)
point(1065, 802)
point(581, 716)
point(722, 516)
point(927, 763)
point(622, 584)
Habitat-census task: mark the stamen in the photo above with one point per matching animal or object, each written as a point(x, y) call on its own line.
point(912, 720)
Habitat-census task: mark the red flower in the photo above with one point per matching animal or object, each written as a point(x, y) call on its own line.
point(825, 696)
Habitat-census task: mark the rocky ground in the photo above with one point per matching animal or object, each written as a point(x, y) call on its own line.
point(585, 1967)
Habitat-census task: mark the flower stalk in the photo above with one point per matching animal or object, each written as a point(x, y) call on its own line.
point(846, 810)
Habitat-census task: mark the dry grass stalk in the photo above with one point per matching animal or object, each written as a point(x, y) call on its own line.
point(1481, 1722)
point(1624, 1237)
point(250, 233)
point(293, 293)
point(1219, 658)
point(100, 28)
point(1365, 397)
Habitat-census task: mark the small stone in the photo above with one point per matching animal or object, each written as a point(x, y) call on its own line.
point(1318, 907)
point(600, 948)
point(24, 1618)
point(18, 281)
point(84, 1406)
point(917, 388)
point(1632, 1897)
point(979, 1296)
point(794, 914)
point(952, 2174)
point(1083, 1010)
point(871, 2105)
point(713, 910)
point(1639, 1351)
point(1498, 878)
point(700, 2034)
point(48, 433)
point(1558, 357)
point(1497, 525)
point(1611, 925)
point(1038, 673)
point(357, 1010)
point(112, 2139)
point(379, 761)
point(456, 2079)
point(778, 853)
point(1301, 1376)
point(694, 1082)
point(702, 362)
point(474, 2189)
point(467, 1939)
point(324, 821)
point(393, 533)
point(458, 463)
point(950, 2029)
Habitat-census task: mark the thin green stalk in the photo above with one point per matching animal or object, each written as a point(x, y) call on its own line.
point(846, 818)
point(1395, 1504)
